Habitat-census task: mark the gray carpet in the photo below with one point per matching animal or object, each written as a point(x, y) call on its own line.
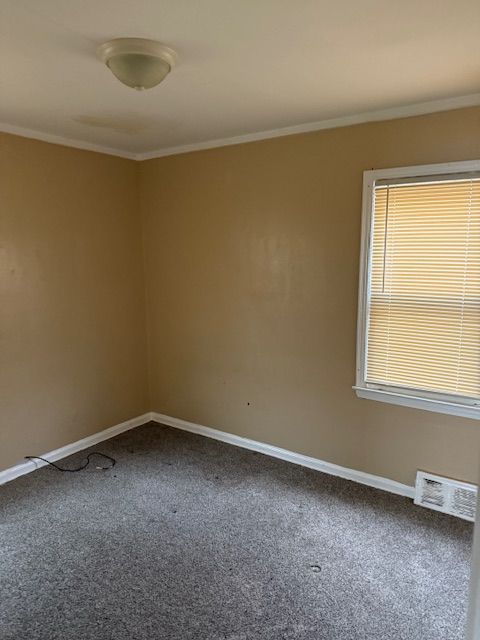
point(188, 538)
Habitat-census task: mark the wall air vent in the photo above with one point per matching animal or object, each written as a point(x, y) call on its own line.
point(446, 495)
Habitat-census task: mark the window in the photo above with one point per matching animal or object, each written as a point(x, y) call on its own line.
point(419, 307)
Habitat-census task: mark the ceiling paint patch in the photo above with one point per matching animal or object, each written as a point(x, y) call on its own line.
point(128, 125)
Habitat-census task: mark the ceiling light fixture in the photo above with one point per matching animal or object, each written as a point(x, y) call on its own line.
point(138, 63)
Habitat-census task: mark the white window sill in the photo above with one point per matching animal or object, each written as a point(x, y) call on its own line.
point(429, 404)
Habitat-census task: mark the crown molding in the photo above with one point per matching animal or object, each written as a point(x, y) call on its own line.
point(405, 111)
point(65, 142)
point(421, 108)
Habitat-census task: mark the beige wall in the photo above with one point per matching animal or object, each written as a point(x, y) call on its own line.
point(252, 267)
point(252, 258)
point(72, 322)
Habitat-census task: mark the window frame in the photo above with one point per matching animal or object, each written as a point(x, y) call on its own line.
point(408, 397)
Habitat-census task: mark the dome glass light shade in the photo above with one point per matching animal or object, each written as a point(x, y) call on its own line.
point(136, 62)
point(137, 70)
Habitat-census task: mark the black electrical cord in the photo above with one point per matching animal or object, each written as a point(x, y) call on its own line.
point(83, 466)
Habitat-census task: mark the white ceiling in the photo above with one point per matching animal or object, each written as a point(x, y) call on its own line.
point(245, 66)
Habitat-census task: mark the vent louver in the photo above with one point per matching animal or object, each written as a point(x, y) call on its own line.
point(446, 495)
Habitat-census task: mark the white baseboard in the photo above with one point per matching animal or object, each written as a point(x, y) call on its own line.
point(30, 465)
point(297, 458)
point(276, 452)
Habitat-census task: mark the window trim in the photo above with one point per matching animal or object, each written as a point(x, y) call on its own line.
point(415, 398)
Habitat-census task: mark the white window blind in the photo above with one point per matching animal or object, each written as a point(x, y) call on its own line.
point(423, 298)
